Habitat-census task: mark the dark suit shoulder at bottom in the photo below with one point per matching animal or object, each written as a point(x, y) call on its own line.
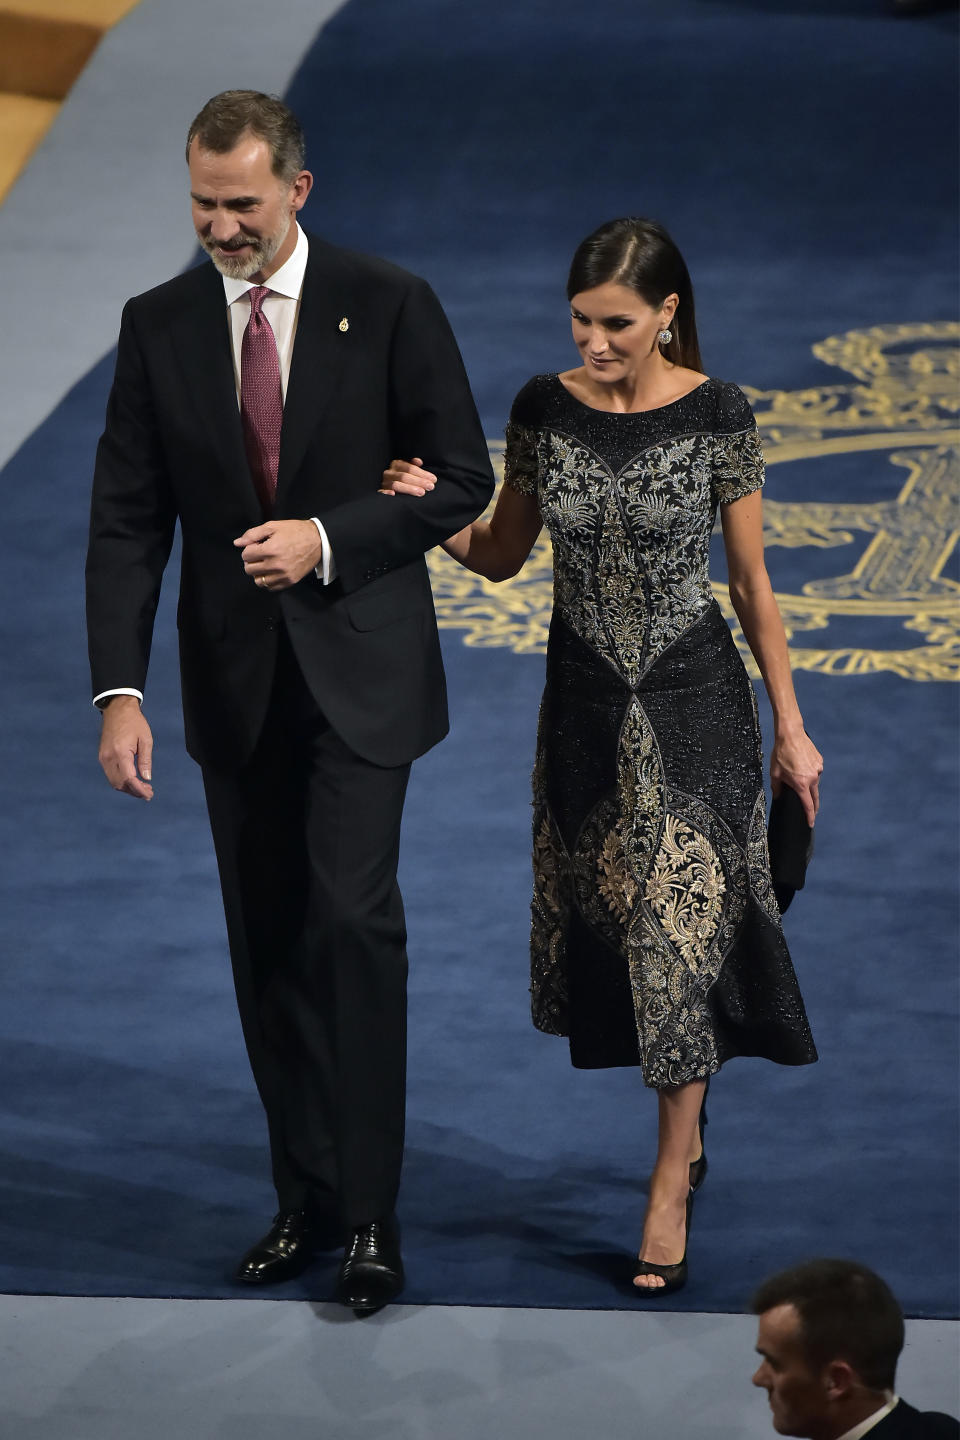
point(357, 265)
point(906, 1423)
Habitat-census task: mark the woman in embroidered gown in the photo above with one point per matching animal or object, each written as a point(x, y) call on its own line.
point(656, 938)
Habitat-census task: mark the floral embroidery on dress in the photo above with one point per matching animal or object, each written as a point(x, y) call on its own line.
point(758, 860)
point(605, 888)
point(685, 890)
point(737, 465)
point(618, 887)
point(661, 876)
point(548, 980)
point(520, 465)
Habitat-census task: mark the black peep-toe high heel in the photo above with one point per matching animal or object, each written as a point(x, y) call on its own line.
point(674, 1277)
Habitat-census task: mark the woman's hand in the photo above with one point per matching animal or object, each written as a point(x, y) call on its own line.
point(797, 762)
point(407, 477)
point(496, 548)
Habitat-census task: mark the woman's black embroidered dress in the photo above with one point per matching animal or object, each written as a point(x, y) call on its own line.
point(656, 939)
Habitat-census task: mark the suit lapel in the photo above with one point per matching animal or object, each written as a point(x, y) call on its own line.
point(203, 347)
point(320, 351)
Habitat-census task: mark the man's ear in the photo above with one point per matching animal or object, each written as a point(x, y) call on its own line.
point(300, 188)
point(839, 1379)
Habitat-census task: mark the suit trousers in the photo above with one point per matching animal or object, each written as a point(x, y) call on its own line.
point(307, 836)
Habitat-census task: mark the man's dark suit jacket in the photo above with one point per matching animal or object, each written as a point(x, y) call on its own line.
point(375, 373)
point(905, 1423)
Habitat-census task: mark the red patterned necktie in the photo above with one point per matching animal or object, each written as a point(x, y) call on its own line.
point(261, 399)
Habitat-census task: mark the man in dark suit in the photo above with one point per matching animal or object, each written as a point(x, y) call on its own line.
point(259, 406)
point(830, 1333)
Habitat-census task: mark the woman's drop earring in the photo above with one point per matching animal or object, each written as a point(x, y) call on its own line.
point(665, 337)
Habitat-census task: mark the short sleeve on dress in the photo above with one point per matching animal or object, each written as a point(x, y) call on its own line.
point(520, 459)
point(737, 456)
point(520, 463)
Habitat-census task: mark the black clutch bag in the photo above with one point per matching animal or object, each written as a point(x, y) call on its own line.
point(790, 839)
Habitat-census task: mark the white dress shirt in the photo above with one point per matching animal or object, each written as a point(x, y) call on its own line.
point(865, 1426)
point(282, 309)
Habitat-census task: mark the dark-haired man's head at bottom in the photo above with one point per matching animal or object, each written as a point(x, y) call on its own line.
point(830, 1334)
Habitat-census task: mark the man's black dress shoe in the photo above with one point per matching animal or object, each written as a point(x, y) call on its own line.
point(372, 1271)
point(287, 1248)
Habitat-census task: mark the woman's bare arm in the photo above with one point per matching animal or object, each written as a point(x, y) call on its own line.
point(795, 760)
point(496, 548)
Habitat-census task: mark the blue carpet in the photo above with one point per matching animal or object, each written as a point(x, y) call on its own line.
point(798, 152)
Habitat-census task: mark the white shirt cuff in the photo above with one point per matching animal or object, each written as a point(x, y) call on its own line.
point(326, 571)
point(105, 695)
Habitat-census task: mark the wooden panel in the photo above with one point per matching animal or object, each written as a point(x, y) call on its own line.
point(102, 13)
point(41, 57)
point(23, 124)
point(44, 45)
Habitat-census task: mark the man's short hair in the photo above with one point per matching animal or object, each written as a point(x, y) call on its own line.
point(229, 116)
point(846, 1313)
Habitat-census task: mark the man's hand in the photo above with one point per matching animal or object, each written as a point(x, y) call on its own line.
point(280, 553)
point(126, 747)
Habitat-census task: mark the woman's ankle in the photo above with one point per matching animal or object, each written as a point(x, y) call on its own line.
point(670, 1190)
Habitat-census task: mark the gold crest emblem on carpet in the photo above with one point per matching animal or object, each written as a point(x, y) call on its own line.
point(890, 604)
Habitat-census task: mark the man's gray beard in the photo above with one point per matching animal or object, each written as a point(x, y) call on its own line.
point(244, 268)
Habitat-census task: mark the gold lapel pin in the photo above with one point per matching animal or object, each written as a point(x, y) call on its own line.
point(344, 324)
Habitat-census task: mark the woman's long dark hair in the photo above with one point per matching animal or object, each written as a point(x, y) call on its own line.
point(639, 253)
